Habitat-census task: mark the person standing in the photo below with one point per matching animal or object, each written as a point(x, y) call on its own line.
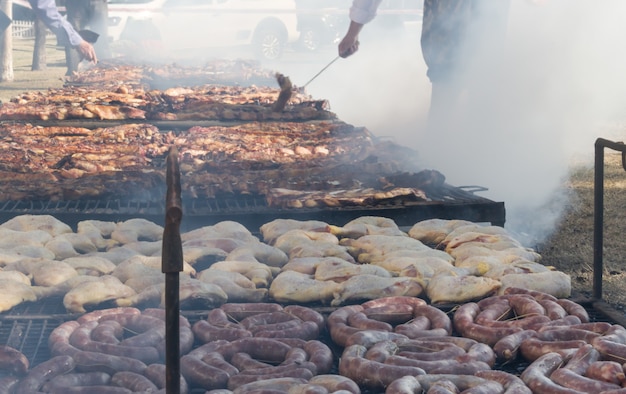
point(47, 11)
point(457, 37)
point(82, 14)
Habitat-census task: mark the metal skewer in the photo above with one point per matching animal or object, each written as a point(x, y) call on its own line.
point(321, 71)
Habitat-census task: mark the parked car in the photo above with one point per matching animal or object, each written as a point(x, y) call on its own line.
point(324, 22)
point(266, 27)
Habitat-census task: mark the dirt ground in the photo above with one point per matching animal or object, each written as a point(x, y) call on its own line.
point(569, 249)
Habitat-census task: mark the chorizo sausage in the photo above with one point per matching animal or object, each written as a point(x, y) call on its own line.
point(337, 323)
point(463, 321)
point(427, 351)
point(307, 331)
point(108, 331)
point(606, 371)
point(440, 366)
point(294, 371)
point(243, 361)
point(393, 300)
point(77, 379)
point(267, 349)
point(59, 339)
point(533, 348)
point(536, 375)
point(87, 361)
point(511, 383)
point(98, 314)
point(41, 373)
point(216, 360)
point(13, 360)
point(306, 314)
point(334, 383)
point(133, 381)
point(392, 314)
point(320, 354)
point(404, 385)
point(361, 321)
point(575, 309)
point(355, 366)
point(507, 348)
point(206, 332)
point(368, 338)
point(91, 390)
point(199, 373)
point(239, 311)
point(570, 379)
point(157, 373)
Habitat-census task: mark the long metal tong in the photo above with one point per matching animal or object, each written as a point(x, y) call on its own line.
point(321, 71)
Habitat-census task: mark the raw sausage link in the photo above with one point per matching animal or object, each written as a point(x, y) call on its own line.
point(606, 371)
point(133, 381)
point(570, 379)
point(238, 312)
point(307, 314)
point(59, 339)
point(575, 309)
point(157, 374)
point(392, 313)
point(338, 324)
point(199, 373)
point(13, 360)
point(511, 383)
point(206, 332)
point(108, 331)
point(307, 331)
point(536, 375)
point(92, 361)
point(463, 320)
point(40, 374)
point(507, 348)
point(404, 385)
point(334, 383)
point(8, 384)
point(353, 365)
point(361, 321)
point(532, 348)
point(78, 379)
point(98, 314)
point(320, 355)
point(294, 372)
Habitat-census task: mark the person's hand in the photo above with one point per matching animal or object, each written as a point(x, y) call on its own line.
point(87, 52)
point(350, 43)
point(348, 46)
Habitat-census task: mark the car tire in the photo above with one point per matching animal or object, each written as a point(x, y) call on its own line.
point(269, 43)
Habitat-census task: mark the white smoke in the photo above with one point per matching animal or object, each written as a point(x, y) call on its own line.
point(560, 79)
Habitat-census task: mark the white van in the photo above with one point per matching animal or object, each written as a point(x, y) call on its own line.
point(265, 27)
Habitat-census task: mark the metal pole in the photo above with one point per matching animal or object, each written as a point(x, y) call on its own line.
point(598, 210)
point(171, 266)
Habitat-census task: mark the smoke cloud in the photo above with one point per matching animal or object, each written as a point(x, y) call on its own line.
point(559, 79)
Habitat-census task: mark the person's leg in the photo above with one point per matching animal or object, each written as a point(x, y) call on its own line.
point(75, 15)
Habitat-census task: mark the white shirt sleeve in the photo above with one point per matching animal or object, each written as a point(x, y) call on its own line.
point(363, 11)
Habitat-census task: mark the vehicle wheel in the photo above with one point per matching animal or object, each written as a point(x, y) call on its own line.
point(310, 40)
point(269, 44)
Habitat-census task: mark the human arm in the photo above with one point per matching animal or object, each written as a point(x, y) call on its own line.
point(47, 11)
point(361, 12)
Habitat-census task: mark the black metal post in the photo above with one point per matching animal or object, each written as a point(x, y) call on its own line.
point(171, 266)
point(598, 209)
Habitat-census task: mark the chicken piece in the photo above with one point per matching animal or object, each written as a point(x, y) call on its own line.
point(146, 248)
point(116, 255)
point(399, 264)
point(33, 251)
point(99, 232)
point(15, 293)
point(62, 288)
point(423, 270)
point(140, 283)
point(518, 267)
point(446, 288)
point(555, 283)
point(16, 276)
point(87, 265)
point(43, 271)
point(475, 228)
point(237, 287)
point(270, 231)
point(491, 241)
point(260, 274)
point(70, 245)
point(11, 256)
point(224, 229)
point(134, 268)
point(10, 239)
point(203, 256)
point(321, 249)
point(260, 252)
point(369, 287)
point(155, 262)
point(134, 230)
point(375, 257)
point(506, 256)
point(225, 244)
point(292, 286)
point(46, 223)
point(295, 238)
point(381, 244)
point(434, 231)
point(338, 270)
point(94, 292)
point(368, 225)
point(195, 294)
point(308, 265)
